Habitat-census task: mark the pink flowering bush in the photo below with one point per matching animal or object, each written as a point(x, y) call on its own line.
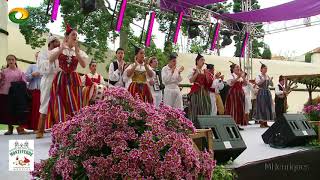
point(124, 138)
point(312, 112)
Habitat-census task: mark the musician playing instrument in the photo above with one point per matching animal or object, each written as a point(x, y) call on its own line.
point(90, 82)
point(155, 83)
point(281, 97)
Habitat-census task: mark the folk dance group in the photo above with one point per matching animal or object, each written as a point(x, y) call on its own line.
point(57, 90)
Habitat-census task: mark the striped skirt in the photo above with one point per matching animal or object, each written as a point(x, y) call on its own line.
point(235, 104)
point(264, 105)
point(200, 104)
point(142, 91)
point(65, 97)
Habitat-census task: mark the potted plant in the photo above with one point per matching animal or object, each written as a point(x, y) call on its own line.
point(124, 138)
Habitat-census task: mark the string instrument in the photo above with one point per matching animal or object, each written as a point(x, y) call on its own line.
point(289, 90)
point(285, 96)
point(156, 85)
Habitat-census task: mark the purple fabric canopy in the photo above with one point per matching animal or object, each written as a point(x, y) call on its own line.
point(292, 10)
point(183, 5)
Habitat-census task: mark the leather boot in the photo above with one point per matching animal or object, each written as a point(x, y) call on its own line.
point(10, 130)
point(40, 129)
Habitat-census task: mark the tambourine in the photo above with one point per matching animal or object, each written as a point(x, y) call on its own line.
point(98, 93)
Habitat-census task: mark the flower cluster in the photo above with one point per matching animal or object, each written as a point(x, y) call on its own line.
point(312, 112)
point(124, 138)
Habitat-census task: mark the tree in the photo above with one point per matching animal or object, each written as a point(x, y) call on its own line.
point(307, 57)
point(257, 44)
point(266, 53)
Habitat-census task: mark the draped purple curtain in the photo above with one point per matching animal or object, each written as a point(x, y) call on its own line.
point(292, 10)
point(182, 5)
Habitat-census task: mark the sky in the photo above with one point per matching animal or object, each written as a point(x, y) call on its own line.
point(288, 43)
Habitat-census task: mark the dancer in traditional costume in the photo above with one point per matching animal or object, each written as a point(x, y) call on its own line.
point(139, 73)
point(280, 98)
point(116, 69)
point(171, 77)
point(8, 76)
point(200, 102)
point(155, 84)
point(33, 76)
point(90, 82)
point(215, 87)
point(235, 103)
point(47, 71)
point(66, 91)
point(264, 98)
point(248, 90)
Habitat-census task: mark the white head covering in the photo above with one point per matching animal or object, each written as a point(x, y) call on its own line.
point(51, 38)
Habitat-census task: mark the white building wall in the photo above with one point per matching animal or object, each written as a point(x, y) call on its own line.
point(315, 58)
point(3, 37)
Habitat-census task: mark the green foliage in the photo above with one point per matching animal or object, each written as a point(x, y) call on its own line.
point(307, 57)
point(35, 28)
point(314, 101)
point(257, 44)
point(266, 53)
point(220, 172)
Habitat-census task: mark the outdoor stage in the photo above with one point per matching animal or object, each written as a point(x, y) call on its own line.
point(256, 150)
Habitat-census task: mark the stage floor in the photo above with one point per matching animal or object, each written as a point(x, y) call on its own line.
point(256, 150)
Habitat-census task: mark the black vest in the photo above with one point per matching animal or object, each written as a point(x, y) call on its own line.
point(115, 67)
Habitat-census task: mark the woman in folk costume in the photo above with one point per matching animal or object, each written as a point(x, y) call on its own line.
point(138, 74)
point(200, 102)
point(66, 92)
point(90, 82)
point(171, 77)
point(264, 98)
point(33, 76)
point(8, 75)
point(235, 103)
point(280, 98)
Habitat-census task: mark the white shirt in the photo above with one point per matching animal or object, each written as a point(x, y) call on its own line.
point(69, 52)
point(261, 78)
point(217, 85)
point(45, 67)
point(233, 76)
point(278, 91)
point(169, 79)
point(90, 75)
point(116, 75)
point(140, 68)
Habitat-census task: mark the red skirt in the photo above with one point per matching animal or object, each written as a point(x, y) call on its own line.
point(6, 116)
point(142, 90)
point(235, 104)
point(34, 114)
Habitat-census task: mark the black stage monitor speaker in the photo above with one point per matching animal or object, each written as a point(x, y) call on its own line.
point(227, 141)
point(291, 130)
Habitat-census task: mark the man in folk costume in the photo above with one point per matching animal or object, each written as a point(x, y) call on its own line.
point(48, 71)
point(155, 84)
point(216, 86)
point(116, 69)
point(90, 82)
point(280, 98)
point(171, 77)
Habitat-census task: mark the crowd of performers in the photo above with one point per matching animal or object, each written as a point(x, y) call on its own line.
point(57, 90)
